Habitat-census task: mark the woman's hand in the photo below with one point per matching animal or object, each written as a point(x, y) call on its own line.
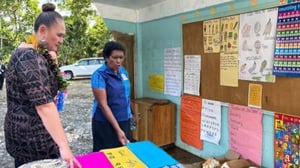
point(53, 56)
point(122, 137)
point(67, 155)
point(134, 118)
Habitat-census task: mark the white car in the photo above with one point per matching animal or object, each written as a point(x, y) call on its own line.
point(82, 68)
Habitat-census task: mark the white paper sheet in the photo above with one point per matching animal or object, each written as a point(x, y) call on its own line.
point(172, 68)
point(211, 121)
point(192, 68)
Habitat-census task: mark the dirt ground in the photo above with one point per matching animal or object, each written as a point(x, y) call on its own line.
point(76, 119)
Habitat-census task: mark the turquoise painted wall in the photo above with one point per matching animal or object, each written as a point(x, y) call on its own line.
point(154, 36)
point(132, 28)
point(121, 26)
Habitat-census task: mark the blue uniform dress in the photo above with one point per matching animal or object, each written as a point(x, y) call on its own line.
point(117, 88)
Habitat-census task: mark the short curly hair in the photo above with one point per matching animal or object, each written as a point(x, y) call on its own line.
point(110, 46)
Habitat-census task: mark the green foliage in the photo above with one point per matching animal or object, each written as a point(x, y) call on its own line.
point(86, 32)
point(16, 18)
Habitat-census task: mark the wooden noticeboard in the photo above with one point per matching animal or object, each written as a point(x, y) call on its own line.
point(282, 96)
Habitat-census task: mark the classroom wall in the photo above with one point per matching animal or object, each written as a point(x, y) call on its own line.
point(156, 35)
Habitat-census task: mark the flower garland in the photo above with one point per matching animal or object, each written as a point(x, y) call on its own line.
point(62, 83)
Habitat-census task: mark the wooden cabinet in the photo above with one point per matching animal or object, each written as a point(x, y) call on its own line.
point(155, 120)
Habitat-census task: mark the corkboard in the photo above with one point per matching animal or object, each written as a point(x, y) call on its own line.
point(282, 96)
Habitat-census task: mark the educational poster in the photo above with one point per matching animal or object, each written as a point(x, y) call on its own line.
point(245, 132)
point(211, 35)
point(229, 51)
point(229, 34)
point(172, 68)
point(286, 140)
point(190, 116)
point(156, 82)
point(256, 45)
point(287, 48)
point(192, 68)
point(229, 75)
point(123, 157)
point(255, 95)
point(211, 121)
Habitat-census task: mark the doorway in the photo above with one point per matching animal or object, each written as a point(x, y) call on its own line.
point(127, 41)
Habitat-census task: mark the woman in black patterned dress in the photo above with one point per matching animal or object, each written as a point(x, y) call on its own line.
point(33, 130)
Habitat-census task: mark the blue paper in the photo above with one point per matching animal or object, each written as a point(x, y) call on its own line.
point(152, 155)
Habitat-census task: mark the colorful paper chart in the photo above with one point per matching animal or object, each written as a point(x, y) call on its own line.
point(287, 49)
point(286, 140)
point(142, 154)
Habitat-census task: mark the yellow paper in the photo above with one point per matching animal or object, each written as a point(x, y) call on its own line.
point(255, 95)
point(122, 157)
point(229, 70)
point(156, 82)
point(211, 34)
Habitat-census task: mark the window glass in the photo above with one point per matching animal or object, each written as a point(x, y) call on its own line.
point(83, 62)
point(102, 61)
point(93, 62)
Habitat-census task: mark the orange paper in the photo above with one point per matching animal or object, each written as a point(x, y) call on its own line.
point(255, 95)
point(190, 118)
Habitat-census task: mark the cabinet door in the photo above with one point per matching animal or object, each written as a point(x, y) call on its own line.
point(161, 124)
point(141, 110)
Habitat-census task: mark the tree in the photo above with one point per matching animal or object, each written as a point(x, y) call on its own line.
point(86, 31)
point(16, 18)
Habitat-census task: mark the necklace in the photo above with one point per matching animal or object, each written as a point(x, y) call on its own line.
point(62, 83)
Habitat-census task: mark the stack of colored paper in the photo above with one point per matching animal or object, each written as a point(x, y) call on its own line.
point(143, 154)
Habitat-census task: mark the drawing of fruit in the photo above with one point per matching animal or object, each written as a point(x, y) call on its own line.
point(235, 36)
point(269, 77)
point(229, 45)
point(246, 30)
point(253, 67)
point(242, 68)
point(245, 46)
point(263, 65)
point(230, 34)
point(256, 78)
point(268, 28)
point(257, 28)
point(257, 46)
point(235, 25)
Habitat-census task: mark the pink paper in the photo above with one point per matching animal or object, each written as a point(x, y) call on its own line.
point(94, 160)
point(245, 132)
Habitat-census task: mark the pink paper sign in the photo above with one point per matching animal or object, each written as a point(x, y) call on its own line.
point(94, 160)
point(245, 132)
